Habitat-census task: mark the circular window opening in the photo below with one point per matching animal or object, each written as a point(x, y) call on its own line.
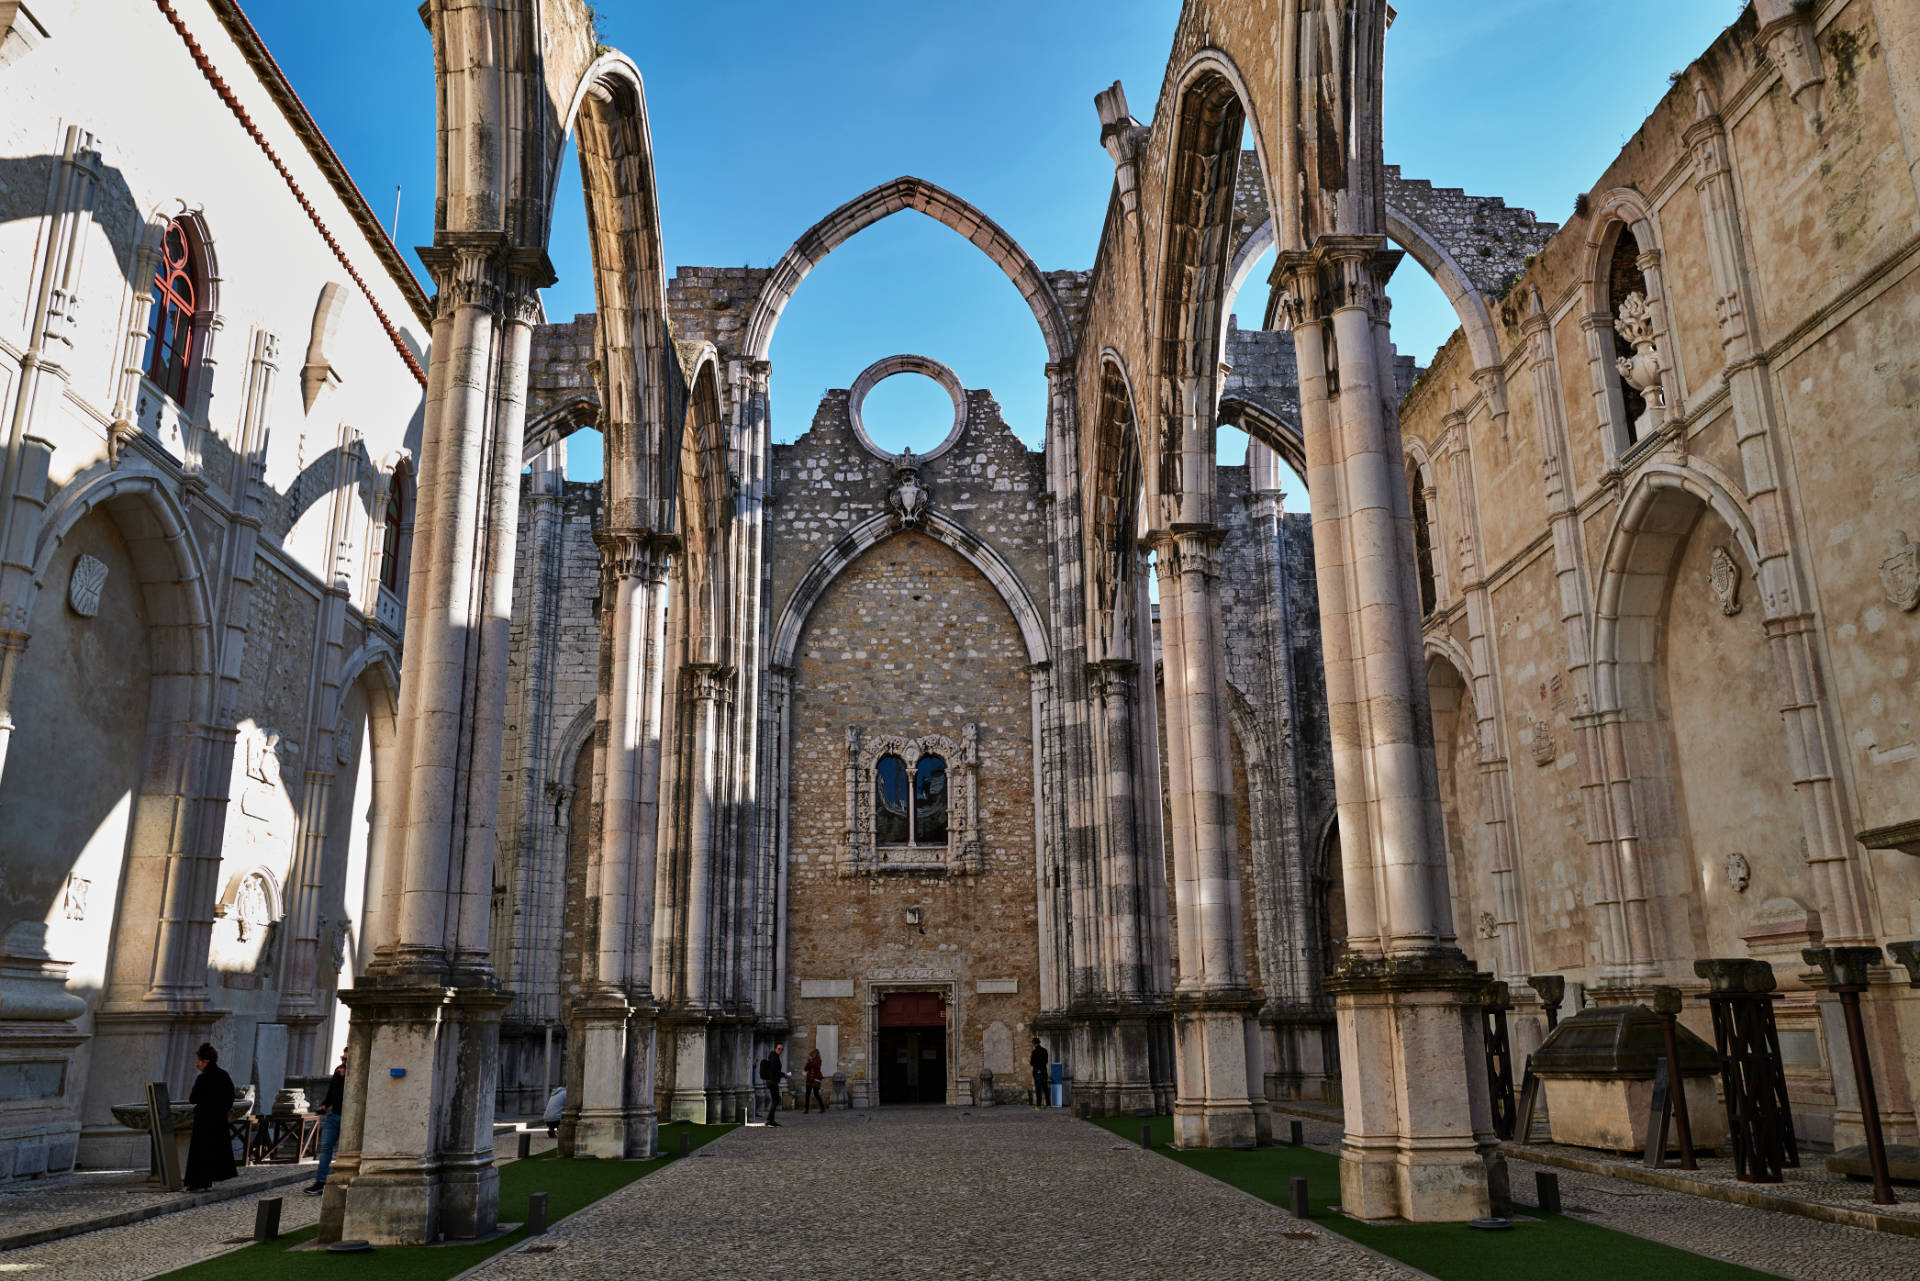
point(907, 410)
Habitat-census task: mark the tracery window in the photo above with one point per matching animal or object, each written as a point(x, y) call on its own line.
point(1422, 537)
point(912, 804)
point(392, 522)
point(176, 301)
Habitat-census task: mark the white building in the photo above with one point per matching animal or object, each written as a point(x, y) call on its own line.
point(211, 381)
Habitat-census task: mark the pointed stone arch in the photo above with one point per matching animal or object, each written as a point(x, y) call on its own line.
point(867, 535)
point(889, 198)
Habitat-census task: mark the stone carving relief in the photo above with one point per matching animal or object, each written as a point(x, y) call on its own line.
point(1489, 928)
point(73, 899)
point(1641, 371)
point(1543, 748)
point(83, 589)
point(1900, 571)
point(344, 738)
point(1723, 576)
point(1739, 872)
point(909, 496)
point(963, 853)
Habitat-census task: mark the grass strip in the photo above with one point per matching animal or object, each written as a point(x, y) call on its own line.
point(569, 1185)
point(1550, 1245)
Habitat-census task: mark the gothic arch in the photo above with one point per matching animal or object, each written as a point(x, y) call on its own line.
point(1426, 249)
point(1113, 508)
point(1188, 291)
point(1619, 210)
point(1649, 531)
point(1269, 428)
point(554, 425)
point(862, 538)
point(937, 203)
point(706, 502)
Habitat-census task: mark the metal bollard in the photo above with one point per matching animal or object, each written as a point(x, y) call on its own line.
point(1546, 1191)
point(526, 1145)
point(537, 1214)
point(1297, 1198)
point(1146, 1134)
point(266, 1219)
point(1295, 1135)
point(686, 1143)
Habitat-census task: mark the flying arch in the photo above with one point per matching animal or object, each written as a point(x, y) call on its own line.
point(889, 198)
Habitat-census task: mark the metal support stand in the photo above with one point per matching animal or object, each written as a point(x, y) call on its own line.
point(1666, 1003)
point(1493, 1015)
point(1759, 1119)
point(1845, 972)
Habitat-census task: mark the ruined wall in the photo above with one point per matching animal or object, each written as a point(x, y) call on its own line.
point(911, 641)
point(1803, 449)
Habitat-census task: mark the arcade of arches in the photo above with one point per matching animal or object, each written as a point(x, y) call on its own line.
point(1594, 658)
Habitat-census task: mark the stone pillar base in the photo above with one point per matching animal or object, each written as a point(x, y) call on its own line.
point(1418, 1124)
point(420, 1067)
point(610, 1111)
point(1219, 1102)
point(1305, 1058)
point(695, 1050)
point(1114, 1052)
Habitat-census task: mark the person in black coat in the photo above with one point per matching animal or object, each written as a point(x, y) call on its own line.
point(210, 1153)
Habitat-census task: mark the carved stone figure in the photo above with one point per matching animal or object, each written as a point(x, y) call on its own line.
point(1723, 576)
point(73, 901)
point(1900, 571)
point(1739, 872)
point(83, 589)
point(1641, 371)
point(909, 496)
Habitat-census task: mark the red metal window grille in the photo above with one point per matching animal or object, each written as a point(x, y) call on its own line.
point(170, 332)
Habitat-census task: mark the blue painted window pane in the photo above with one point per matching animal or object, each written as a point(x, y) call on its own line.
point(890, 801)
point(930, 801)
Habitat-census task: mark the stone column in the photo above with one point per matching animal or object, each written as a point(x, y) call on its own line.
point(612, 1033)
point(416, 1158)
point(1415, 1094)
point(1220, 1101)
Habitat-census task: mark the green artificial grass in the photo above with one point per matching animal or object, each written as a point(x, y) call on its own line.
point(1552, 1245)
point(569, 1185)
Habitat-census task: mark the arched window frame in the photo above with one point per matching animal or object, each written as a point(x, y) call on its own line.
point(170, 412)
point(960, 852)
point(391, 545)
point(1624, 211)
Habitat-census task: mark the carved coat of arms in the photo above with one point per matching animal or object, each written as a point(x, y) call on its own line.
point(1900, 570)
point(909, 496)
point(1723, 576)
point(83, 589)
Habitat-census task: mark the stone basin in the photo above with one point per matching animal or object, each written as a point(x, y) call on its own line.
point(135, 1115)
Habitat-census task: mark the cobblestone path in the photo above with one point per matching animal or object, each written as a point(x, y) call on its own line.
point(909, 1193)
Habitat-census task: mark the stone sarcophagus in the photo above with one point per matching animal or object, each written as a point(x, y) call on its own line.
point(1597, 1070)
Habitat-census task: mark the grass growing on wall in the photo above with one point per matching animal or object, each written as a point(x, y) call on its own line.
point(569, 1185)
point(1550, 1245)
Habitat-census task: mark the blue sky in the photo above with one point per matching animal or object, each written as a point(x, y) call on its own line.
point(766, 115)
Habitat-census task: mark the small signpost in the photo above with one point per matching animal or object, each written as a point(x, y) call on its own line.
point(166, 1153)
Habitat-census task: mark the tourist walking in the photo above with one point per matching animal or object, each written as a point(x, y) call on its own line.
point(210, 1151)
point(330, 1124)
point(813, 1076)
point(770, 1075)
point(1039, 1061)
point(556, 1104)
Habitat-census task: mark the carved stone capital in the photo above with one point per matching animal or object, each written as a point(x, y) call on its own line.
point(1112, 681)
point(633, 553)
point(1189, 550)
point(709, 683)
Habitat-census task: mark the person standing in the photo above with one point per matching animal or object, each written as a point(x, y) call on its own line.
point(1038, 1060)
point(770, 1075)
point(210, 1150)
point(330, 1125)
point(813, 1075)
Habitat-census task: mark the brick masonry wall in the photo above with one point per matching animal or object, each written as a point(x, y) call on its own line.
point(912, 640)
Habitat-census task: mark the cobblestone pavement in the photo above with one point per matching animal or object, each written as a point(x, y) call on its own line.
point(159, 1245)
point(1810, 1182)
point(1765, 1240)
point(909, 1192)
point(32, 1205)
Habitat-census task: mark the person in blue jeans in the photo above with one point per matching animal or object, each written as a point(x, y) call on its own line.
point(329, 1125)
